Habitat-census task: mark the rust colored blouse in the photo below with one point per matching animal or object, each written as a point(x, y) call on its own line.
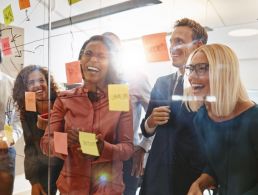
point(73, 109)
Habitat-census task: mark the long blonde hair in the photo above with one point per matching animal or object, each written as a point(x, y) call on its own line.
point(224, 77)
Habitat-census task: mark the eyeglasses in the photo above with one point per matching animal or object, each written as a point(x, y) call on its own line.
point(200, 69)
point(88, 54)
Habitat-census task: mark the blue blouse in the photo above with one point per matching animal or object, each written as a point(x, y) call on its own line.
point(232, 150)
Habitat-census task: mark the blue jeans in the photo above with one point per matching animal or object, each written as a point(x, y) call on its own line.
point(7, 161)
point(131, 182)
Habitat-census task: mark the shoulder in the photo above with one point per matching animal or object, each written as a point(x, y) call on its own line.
point(252, 113)
point(165, 79)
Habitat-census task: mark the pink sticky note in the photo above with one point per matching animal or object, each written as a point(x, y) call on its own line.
point(73, 72)
point(155, 47)
point(30, 101)
point(60, 143)
point(6, 46)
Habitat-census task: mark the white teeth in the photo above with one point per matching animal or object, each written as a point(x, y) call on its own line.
point(39, 91)
point(91, 68)
point(197, 85)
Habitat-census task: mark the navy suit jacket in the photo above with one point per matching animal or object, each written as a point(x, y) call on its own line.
point(176, 159)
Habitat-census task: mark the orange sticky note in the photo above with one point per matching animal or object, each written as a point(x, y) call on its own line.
point(6, 46)
point(73, 1)
point(8, 15)
point(30, 101)
point(73, 72)
point(60, 143)
point(155, 47)
point(118, 97)
point(24, 4)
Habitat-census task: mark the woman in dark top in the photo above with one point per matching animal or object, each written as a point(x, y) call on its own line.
point(227, 123)
point(34, 78)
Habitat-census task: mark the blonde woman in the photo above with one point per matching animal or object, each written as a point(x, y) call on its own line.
point(227, 122)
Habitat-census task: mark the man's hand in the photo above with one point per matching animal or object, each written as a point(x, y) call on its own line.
point(37, 189)
point(138, 158)
point(159, 116)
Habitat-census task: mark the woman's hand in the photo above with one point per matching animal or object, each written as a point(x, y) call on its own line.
point(138, 159)
point(100, 146)
point(42, 121)
point(195, 189)
point(205, 181)
point(73, 137)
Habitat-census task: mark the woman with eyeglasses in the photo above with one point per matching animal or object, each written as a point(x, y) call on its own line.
point(85, 109)
point(227, 122)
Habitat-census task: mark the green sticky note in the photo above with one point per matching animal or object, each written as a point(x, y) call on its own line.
point(8, 15)
point(73, 1)
point(88, 143)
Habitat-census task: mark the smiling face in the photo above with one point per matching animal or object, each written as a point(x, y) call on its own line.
point(181, 45)
point(199, 77)
point(95, 62)
point(37, 83)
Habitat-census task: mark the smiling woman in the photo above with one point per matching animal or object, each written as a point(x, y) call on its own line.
point(85, 109)
point(34, 78)
point(228, 126)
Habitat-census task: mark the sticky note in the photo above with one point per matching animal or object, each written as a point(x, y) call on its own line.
point(73, 1)
point(8, 15)
point(155, 47)
point(6, 46)
point(88, 143)
point(30, 101)
point(73, 72)
point(24, 4)
point(8, 131)
point(118, 97)
point(60, 142)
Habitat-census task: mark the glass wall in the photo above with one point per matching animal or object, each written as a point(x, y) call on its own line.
point(83, 74)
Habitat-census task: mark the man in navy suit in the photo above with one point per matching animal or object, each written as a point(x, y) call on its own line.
point(176, 159)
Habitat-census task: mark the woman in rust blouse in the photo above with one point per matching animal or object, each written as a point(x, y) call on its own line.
point(85, 108)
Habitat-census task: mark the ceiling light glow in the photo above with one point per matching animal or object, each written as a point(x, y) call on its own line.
point(245, 32)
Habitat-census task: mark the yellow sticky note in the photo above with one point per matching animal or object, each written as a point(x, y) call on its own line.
point(30, 101)
point(73, 1)
point(8, 15)
point(118, 97)
point(88, 143)
point(8, 131)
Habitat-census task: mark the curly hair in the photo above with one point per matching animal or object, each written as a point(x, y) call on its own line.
point(199, 32)
point(21, 82)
